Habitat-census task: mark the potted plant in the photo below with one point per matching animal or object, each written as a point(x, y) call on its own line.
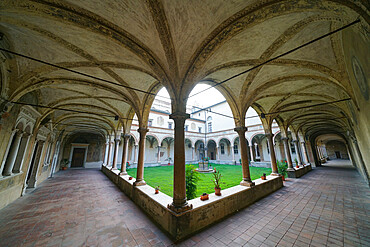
point(127, 164)
point(64, 164)
point(129, 178)
point(169, 160)
point(204, 197)
point(156, 189)
point(263, 177)
point(217, 181)
point(282, 169)
point(296, 163)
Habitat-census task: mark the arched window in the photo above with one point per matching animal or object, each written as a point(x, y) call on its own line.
point(209, 118)
point(222, 148)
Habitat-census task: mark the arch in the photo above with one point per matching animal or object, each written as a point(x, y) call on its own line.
point(153, 135)
point(255, 134)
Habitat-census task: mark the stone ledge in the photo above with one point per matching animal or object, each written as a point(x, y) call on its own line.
point(203, 214)
point(299, 172)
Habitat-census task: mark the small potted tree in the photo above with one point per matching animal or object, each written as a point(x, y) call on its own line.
point(217, 182)
point(296, 163)
point(64, 164)
point(156, 189)
point(169, 160)
point(282, 169)
point(263, 177)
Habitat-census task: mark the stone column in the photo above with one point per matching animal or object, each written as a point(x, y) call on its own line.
point(140, 163)
point(303, 144)
point(244, 156)
point(10, 160)
point(179, 203)
point(256, 150)
point(106, 154)
point(272, 155)
point(218, 154)
point(126, 138)
point(135, 153)
point(109, 153)
point(159, 155)
point(287, 154)
point(192, 153)
point(298, 152)
point(115, 153)
point(251, 151)
point(36, 165)
point(232, 150)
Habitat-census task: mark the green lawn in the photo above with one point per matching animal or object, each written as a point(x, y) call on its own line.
point(231, 176)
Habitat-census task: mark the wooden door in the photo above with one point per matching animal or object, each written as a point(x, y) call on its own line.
point(78, 157)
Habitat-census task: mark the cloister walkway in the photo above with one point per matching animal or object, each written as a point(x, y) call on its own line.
point(328, 206)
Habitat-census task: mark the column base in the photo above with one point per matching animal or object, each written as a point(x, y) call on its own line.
point(290, 169)
point(180, 209)
point(139, 182)
point(274, 174)
point(122, 173)
point(247, 183)
point(114, 168)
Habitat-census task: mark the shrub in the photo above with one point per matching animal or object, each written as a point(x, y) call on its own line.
point(282, 167)
point(192, 178)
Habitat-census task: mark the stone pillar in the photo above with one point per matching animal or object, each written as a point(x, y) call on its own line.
point(159, 155)
point(287, 154)
point(37, 161)
point(109, 153)
point(140, 163)
point(192, 153)
point(10, 160)
point(106, 154)
point(232, 150)
point(298, 152)
point(18, 166)
point(251, 151)
point(256, 150)
point(303, 144)
point(115, 153)
point(179, 203)
point(272, 155)
point(126, 138)
point(244, 156)
point(135, 154)
point(218, 154)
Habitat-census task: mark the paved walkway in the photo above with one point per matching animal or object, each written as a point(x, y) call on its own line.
point(329, 206)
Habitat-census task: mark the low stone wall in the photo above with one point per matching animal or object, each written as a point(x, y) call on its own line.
point(299, 172)
point(203, 214)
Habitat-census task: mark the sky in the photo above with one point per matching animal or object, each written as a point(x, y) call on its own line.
point(204, 99)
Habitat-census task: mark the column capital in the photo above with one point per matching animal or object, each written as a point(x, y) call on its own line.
point(240, 129)
point(125, 136)
point(295, 141)
point(303, 142)
point(142, 130)
point(268, 135)
point(117, 140)
point(284, 138)
point(179, 116)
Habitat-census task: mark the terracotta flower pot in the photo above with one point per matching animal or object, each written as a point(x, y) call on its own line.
point(283, 177)
point(263, 177)
point(217, 191)
point(297, 166)
point(204, 197)
point(156, 192)
point(64, 168)
point(130, 178)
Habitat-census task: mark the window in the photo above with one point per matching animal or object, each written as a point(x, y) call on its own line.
point(150, 122)
point(186, 127)
point(200, 129)
point(209, 118)
point(170, 125)
point(209, 127)
point(222, 148)
point(236, 151)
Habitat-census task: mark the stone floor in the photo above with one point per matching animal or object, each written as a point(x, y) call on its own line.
point(329, 206)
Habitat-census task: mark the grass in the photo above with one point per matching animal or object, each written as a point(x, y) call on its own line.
point(231, 176)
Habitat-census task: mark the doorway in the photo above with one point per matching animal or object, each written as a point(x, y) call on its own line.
point(78, 157)
point(337, 155)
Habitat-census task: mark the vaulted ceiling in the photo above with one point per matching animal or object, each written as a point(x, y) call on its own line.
point(139, 46)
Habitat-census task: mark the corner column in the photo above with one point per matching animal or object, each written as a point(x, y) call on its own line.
point(287, 153)
point(159, 155)
point(272, 155)
point(12, 154)
point(251, 151)
point(298, 152)
point(244, 156)
point(135, 154)
point(218, 154)
point(140, 162)
point(179, 203)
